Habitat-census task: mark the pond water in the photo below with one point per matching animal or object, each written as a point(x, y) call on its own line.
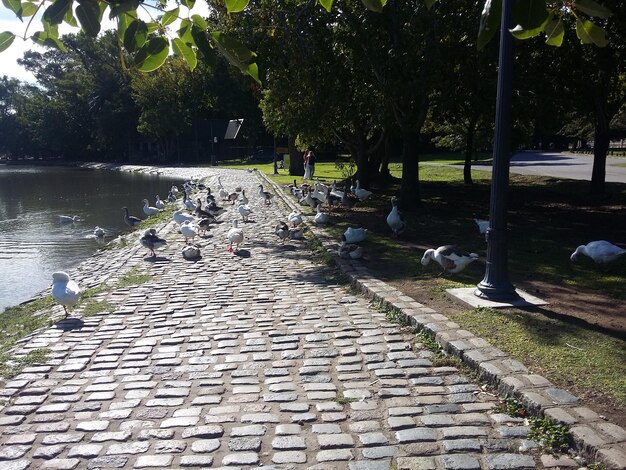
point(33, 241)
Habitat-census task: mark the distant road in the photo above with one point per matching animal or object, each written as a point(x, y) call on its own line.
point(565, 165)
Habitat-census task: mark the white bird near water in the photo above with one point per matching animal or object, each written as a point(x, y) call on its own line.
point(235, 236)
point(354, 235)
point(98, 232)
point(69, 219)
point(451, 258)
point(601, 251)
point(64, 290)
point(159, 204)
point(394, 219)
point(149, 210)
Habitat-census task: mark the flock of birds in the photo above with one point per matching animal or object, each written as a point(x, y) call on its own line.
point(194, 220)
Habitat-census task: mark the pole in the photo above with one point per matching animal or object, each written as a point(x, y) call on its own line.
point(495, 285)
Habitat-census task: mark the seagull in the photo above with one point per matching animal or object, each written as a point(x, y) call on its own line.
point(148, 210)
point(265, 195)
point(394, 219)
point(130, 220)
point(235, 235)
point(64, 290)
point(98, 232)
point(151, 241)
point(601, 251)
point(450, 258)
point(69, 219)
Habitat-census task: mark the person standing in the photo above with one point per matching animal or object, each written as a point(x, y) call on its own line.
point(311, 162)
point(305, 158)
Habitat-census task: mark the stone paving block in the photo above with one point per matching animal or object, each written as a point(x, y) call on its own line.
point(241, 458)
point(459, 462)
point(509, 461)
point(196, 461)
point(150, 461)
point(288, 457)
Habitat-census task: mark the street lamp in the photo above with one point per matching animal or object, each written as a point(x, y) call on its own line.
point(495, 285)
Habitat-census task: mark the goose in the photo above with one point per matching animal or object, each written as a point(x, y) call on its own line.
point(311, 200)
point(332, 199)
point(451, 258)
point(245, 211)
point(360, 192)
point(179, 217)
point(130, 220)
point(601, 251)
point(349, 250)
point(189, 204)
point(174, 190)
point(348, 200)
point(320, 187)
point(151, 241)
point(336, 192)
point(223, 194)
point(149, 210)
point(171, 197)
point(295, 218)
point(354, 235)
point(159, 204)
point(69, 219)
point(202, 213)
point(232, 197)
point(244, 199)
point(483, 225)
point(282, 231)
point(203, 225)
point(98, 232)
point(235, 236)
point(296, 233)
point(265, 195)
point(189, 230)
point(394, 219)
point(191, 252)
point(64, 290)
point(321, 218)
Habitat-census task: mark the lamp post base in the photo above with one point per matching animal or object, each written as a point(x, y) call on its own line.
point(496, 293)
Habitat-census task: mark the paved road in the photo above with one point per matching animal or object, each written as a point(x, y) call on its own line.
point(565, 165)
point(244, 360)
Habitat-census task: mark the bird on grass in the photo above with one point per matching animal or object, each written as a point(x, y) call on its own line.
point(64, 291)
point(355, 235)
point(394, 219)
point(130, 220)
point(148, 210)
point(451, 258)
point(159, 204)
point(235, 237)
point(265, 195)
point(600, 251)
point(151, 241)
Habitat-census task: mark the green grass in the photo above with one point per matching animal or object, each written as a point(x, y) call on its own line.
point(133, 277)
point(10, 366)
point(22, 320)
point(92, 307)
point(587, 360)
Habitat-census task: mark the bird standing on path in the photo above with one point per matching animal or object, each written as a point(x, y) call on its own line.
point(235, 236)
point(601, 251)
point(130, 220)
point(151, 241)
point(451, 258)
point(189, 230)
point(64, 290)
point(265, 195)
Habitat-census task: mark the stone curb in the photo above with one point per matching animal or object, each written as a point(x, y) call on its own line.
point(594, 437)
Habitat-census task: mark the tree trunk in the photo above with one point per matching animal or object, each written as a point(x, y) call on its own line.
point(296, 163)
point(469, 151)
point(362, 164)
point(384, 164)
point(600, 148)
point(409, 190)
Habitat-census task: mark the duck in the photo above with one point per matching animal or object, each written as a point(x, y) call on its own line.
point(232, 197)
point(188, 230)
point(348, 200)
point(296, 233)
point(349, 250)
point(130, 220)
point(203, 225)
point(199, 212)
point(148, 210)
point(174, 190)
point(98, 232)
point(394, 219)
point(360, 192)
point(179, 217)
point(483, 225)
point(354, 235)
point(244, 199)
point(451, 258)
point(223, 194)
point(600, 251)
point(321, 218)
point(310, 200)
point(336, 192)
point(158, 203)
point(245, 211)
point(235, 236)
point(189, 204)
point(69, 219)
point(151, 241)
point(282, 231)
point(191, 252)
point(295, 218)
point(171, 197)
point(64, 291)
point(265, 195)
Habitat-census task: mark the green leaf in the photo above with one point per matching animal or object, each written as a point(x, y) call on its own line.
point(235, 6)
point(253, 71)
point(69, 18)
point(119, 8)
point(153, 54)
point(184, 32)
point(233, 50)
point(489, 22)
point(6, 39)
point(54, 13)
point(188, 3)
point(530, 14)
point(89, 15)
point(29, 9)
point(186, 52)
point(203, 44)
point(136, 35)
point(374, 5)
point(591, 8)
point(554, 31)
point(327, 4)
point(520, 33)
point(44, 39)
point(152, 26)
point(430, 3)
point(123, 21)
point(15, 6)
point(199, 22)
point(170, 16)
point(590, 33)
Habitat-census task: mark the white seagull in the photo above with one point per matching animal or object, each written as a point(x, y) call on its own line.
point(64, 290)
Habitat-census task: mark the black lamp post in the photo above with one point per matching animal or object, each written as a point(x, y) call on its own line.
point(496, 285)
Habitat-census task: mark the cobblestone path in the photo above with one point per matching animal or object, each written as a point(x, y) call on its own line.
point(245, 360)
